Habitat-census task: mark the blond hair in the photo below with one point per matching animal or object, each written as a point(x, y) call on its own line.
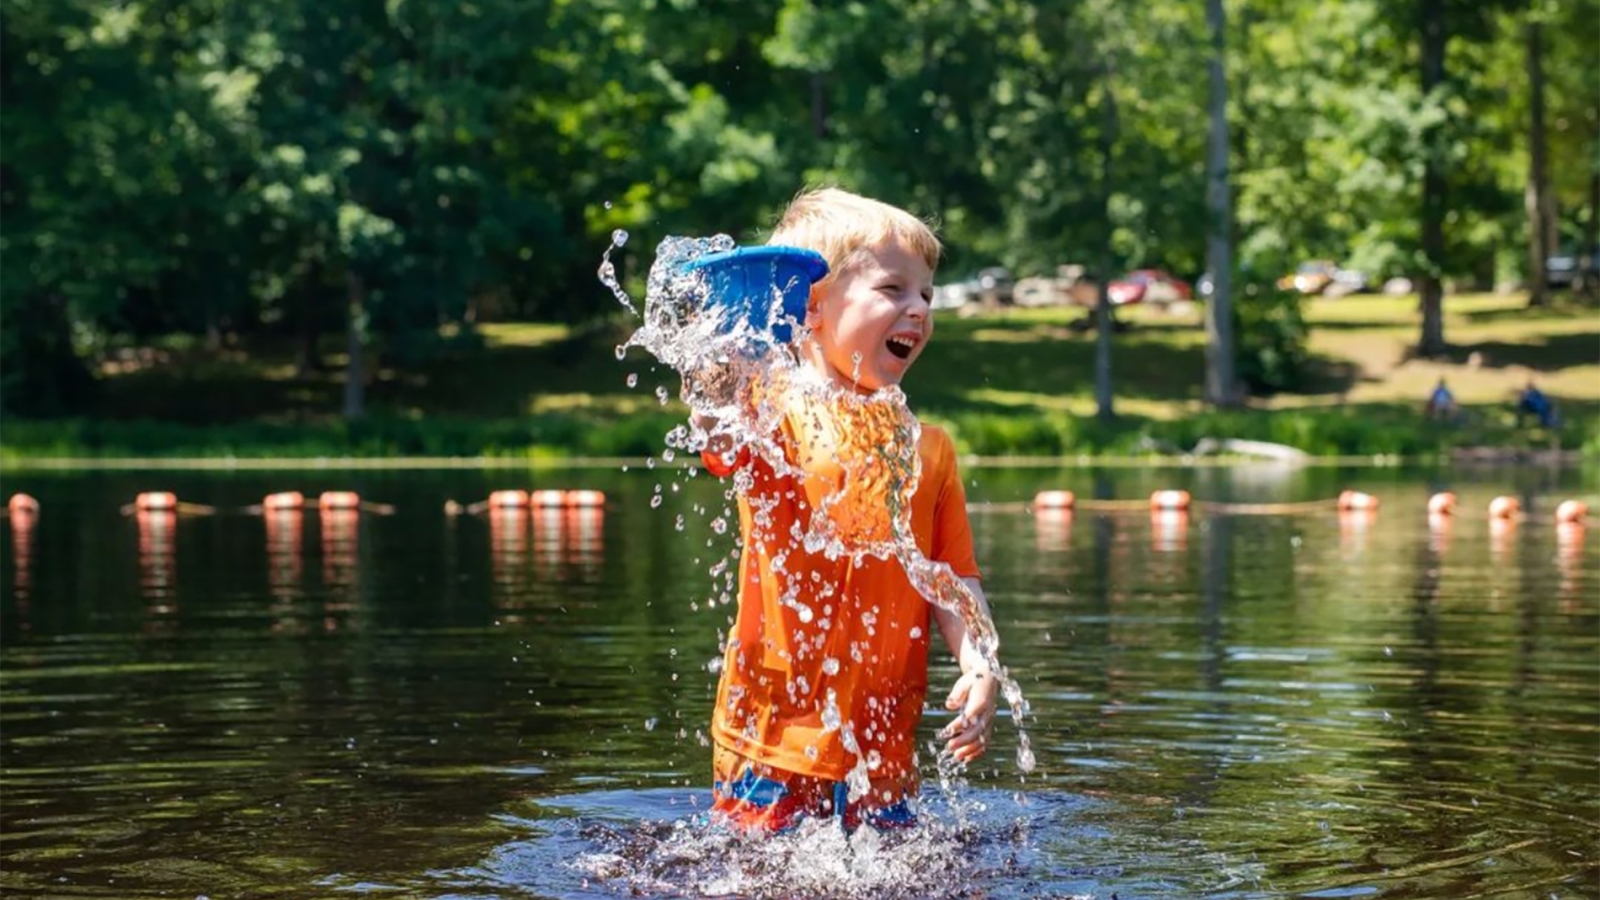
point(840, 225)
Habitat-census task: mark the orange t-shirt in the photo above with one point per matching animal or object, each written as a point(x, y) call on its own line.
point(826, 651)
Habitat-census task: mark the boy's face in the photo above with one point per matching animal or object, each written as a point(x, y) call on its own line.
point(870, 323)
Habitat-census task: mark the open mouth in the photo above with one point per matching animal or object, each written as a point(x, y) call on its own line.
point(901, 346)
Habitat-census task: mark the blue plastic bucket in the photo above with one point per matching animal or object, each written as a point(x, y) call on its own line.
point(743, 280)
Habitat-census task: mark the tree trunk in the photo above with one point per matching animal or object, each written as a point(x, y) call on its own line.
point(307, 359)
point(355, 379)
point(1434, 36)
point(1592, 229)
point(1105, 320)
point(1221, 389)
point(819, 107)
point(1537, 195)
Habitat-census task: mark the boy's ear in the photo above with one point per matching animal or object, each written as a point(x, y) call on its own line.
point(813, 302)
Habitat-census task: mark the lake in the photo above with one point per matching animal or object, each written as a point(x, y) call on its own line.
point(414, 704)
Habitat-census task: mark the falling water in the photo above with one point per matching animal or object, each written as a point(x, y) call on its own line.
point(740, 383)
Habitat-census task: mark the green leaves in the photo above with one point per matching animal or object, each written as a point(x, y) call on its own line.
point(208, 167)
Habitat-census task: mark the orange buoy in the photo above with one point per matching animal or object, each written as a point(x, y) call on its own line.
point(1572, 512)
point(1355, 501)
point(156, 501)
point(1442, 504)
point(557, 498)
point(1169, 500)
point(1054, 500)
point(284, 501)
point(508, 499)
point(585, 499)
point(1505, 508)
point(22, 505)
point(331, 500)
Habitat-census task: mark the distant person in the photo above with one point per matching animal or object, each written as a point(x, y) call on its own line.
point(1441, 403)
point(1534, 403)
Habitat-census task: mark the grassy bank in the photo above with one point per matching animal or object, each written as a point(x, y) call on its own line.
point(1016, 383)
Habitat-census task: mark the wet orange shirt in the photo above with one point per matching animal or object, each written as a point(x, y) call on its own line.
point(828, 652)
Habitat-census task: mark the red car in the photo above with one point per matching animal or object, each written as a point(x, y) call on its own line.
point(1148, 286)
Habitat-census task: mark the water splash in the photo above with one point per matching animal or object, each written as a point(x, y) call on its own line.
point(815, 860)
point(742, 385)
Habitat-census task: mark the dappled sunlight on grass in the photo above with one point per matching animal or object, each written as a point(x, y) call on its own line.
point(1008, 379)
point(613, 404)
point(523, 334)
point(1028, 400)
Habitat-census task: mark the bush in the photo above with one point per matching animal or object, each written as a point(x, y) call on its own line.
point(1270, 338)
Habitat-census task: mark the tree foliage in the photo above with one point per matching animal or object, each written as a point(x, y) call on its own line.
point(397, 170)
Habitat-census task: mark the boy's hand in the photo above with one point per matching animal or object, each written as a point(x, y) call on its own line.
point(974, 694)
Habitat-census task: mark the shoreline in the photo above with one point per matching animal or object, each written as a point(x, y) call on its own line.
point(1479, 456)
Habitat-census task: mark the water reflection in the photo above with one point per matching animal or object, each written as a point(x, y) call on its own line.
point(285, 531)
point(1354, 527)
point(569, 541)
point(341, 570)
point(1052, 529)
point(1569, 562)
point(1169, 530)
point(1252, 706)
point(508, 557)
point(23, 514)
point(158, 569)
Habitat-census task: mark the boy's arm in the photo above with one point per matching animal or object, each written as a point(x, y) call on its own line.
point(718, 455)
point(976, 692)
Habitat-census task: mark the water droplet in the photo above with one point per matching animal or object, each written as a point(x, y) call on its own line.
point(620, 236)
point(608, 204)
point(1025, 759)
point(633, 379)
point(650, 723)
point(655, 501)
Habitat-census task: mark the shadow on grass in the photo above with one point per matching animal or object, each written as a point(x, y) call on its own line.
point(1562, 306)
point(497, 382)
point(1550, 353)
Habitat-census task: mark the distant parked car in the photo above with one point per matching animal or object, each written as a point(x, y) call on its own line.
point(1346, 282)
point(1038, 292)
point(995, 283)
point(1326, 278)
point(951, 296)
point(1148, 286)
point(1399, 286)
point(1572, 268)
point(1311, 277)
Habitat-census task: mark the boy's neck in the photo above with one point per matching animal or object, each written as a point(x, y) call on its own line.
point(814, 363)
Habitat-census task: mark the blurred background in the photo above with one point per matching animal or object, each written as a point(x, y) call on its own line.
point(289, 228)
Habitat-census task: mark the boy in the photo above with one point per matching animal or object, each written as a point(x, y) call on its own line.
point(825, 671)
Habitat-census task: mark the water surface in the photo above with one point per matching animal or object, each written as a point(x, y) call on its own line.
point(417, 705)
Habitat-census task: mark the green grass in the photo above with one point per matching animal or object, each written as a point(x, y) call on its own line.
point(1018, 382)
